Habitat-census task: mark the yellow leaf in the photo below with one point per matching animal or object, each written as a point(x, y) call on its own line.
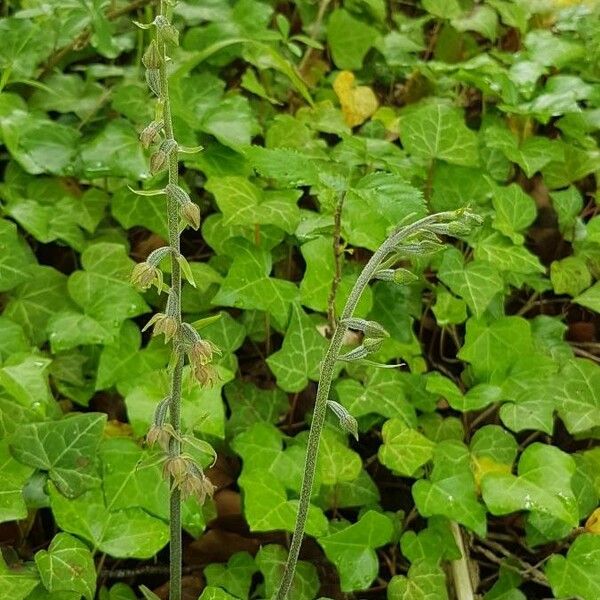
point(483, 465)
point(358, 102)
point(592, 525)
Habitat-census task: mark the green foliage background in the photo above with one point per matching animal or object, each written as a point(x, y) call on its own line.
point(494, 422)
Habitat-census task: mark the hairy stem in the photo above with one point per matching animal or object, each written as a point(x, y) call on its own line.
point(327, 370)
point(175, 306)
point(337, 257)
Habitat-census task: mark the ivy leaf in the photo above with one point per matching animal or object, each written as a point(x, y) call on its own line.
point(515, 211)
point(433, 544)
point(506, 586)
point(451, 489)
point(493, 450)
point(436, 130)
point(362, 491)
point(271, 561)
point(349, 39)
point(17, 583)
point(404, 450)
point(114, 152)
point(577, 390)
point(476, 282)
point(300, 355)
point(66, 330)
point(65, 448)
point(15, 257)
point(424, 580)
point(131, 209)
point(477, 397)
point(231, 121)
point(352, 549)
point(266, 503)
point(267, 507)
point(67, 566)
point(35, 301)
point(24, 46)
point(376, 203)
point(531, 155)
point(243, 203)
point(504, 256)
point(590, 298)
point(248, 285)
point(102, 288)
point(570, 275)
point(577, 573)
point(482, 19)
point(381, 393)
point(25, 378)
point(250, 404)
point(130, 533)
point(235, 577)
point(543, 484)
point(336, 462)
point(529, 388)
point(493, 348)
point(13, 476)
point(123, 362)
point(288, 167)
point(39, 145)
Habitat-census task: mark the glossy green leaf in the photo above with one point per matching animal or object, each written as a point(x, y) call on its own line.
point(129, 533)
point(436, 130)
point(243, 203)
point(17, 582)
point(352, 549)
point(576, 574)
point(65, 448)
point(578, 399)
point(235, 577)
point(271, 562)
point(13, 476)
point(476, 282)
point(404, 450)
point(35, 301)
point(424, 580)
point(102, 288)
point(543, 484)
point(349, 39)
point(450, 490)
point(15, 259)
point(301, 353)
point(249, 286)
point(67, 566)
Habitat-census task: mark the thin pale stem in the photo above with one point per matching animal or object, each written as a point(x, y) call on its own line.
point(174, 306)
point(327, 370)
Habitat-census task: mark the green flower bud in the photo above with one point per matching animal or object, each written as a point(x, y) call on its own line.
point(167, 33)
point(163, 325)
point(372, 344)
point(198, 485)
point(153, 81)
point(404, 277)
point(150, 133)
point(160, 159)
point(190, 213)
point(145, 274)
point(176, 467)
point(152, 58)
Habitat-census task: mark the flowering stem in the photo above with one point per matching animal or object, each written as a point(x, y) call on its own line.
point(327, 370)
point(174, 305)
